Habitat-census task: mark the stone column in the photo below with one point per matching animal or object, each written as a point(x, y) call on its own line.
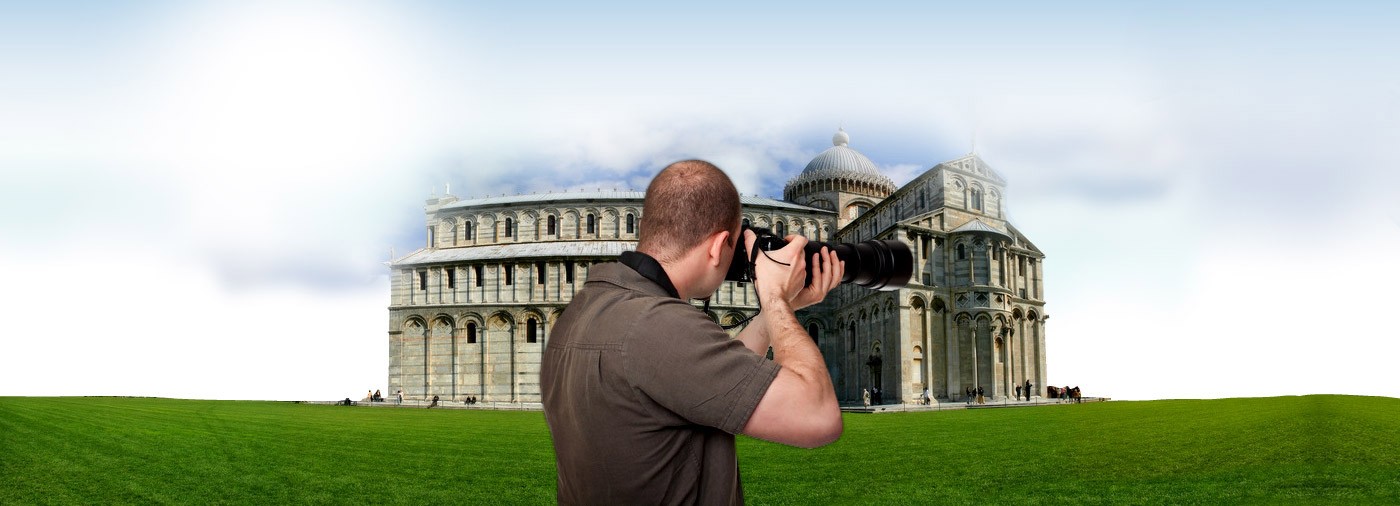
point(971, 266)
point(481, 338)
point(976, 363)
point(950, 337)
point(926, 324)
point(1009, 367)
point(1040, 351)
point(514, 374)
point(1036, 284)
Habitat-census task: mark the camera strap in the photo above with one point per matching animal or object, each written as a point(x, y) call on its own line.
point(649, 268)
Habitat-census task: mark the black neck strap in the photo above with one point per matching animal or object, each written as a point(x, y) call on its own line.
point(649, 268)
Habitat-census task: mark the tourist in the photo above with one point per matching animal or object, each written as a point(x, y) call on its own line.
point(400, 398)
point(865, 397)
point(980, 398)
point(618, 378)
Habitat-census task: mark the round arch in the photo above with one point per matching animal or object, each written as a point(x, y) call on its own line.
point(414, 321)
point(500, 320)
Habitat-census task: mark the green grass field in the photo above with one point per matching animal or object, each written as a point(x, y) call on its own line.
point(1285, 450)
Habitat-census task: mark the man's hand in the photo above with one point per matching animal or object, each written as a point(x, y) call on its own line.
point(827, 271)
point(774, 281)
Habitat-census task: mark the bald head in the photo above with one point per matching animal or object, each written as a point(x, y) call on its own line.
point(685, 203)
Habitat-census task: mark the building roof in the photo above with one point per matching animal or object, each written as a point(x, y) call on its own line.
point(841, 162)
point(497, 252)
point(610, 196)
point(977, 225)
point(974, 164)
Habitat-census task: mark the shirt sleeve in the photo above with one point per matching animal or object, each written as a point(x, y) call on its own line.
point(689, 365)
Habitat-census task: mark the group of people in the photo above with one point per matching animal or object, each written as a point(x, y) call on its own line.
point(870, 396)
point(977, 395)
point(375, 396)
point(974, 394)
point(1065, 393)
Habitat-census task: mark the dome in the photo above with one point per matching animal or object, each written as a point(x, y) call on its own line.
point(840, 159)
point(841, 162)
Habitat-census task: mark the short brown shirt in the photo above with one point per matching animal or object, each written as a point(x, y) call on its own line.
point(643, 394)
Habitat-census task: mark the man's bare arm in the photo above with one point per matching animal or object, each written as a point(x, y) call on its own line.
point(755, 335)
point(800, 407)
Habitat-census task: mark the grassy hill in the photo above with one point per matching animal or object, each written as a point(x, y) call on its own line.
point(1290, 450)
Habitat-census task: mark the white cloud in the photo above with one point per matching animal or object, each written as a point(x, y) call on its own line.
point(145, 322)
point(237, 172)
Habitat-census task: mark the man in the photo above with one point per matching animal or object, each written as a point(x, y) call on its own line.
point(643, 393)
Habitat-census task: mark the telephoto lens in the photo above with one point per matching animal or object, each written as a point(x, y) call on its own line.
point(877, 265)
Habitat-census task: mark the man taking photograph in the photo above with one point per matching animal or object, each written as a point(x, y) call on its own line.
point(643, 393)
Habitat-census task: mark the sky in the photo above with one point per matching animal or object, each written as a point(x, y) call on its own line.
point(197, 198)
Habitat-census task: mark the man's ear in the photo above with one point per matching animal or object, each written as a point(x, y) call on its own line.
point(717, 243)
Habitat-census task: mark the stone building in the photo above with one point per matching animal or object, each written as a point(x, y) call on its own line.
point(471, 311)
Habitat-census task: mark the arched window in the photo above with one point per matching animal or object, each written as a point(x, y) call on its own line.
point(510, 273)
point(977, 199)
point(550, 225)
point(631, 223)
point(469, 231)
point(592, 223)
point(812, 331)
point(851, 338)
point(510, 224)
point(962, 253)
point(532, 329)
point(471, 333)
point(780, 229)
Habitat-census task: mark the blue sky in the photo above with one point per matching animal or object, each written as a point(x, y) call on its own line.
point(198, 197)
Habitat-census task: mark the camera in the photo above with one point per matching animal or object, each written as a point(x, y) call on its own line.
point(877, 265)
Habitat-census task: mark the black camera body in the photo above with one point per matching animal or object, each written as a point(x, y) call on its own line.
point(877, 265)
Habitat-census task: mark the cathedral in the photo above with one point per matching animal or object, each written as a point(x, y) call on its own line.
point(471, 311)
